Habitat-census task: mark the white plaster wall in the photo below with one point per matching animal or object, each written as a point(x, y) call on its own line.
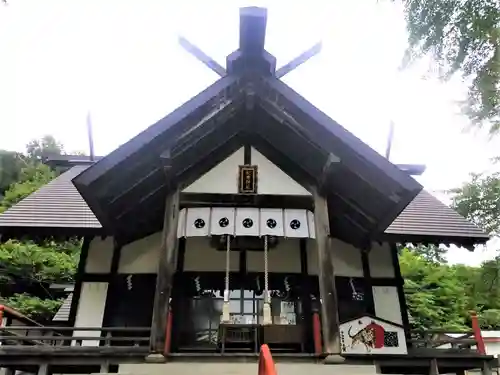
point(386, 300)
point(141, 256)
point(99, 255)
point(346, 259)
point(137, 257)
point(272, 180)
point(285, 257)
point(90, 310)
point(200, 256)
point(492, 348)
point(380, 259)
point(222, 179)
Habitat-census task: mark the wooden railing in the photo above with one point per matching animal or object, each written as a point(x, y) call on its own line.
point(266, 362)
point(74, 336)
point(442, 339)
point(437, 338)
point(9, 316)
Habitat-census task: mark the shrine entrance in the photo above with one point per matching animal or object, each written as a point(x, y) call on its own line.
point(234, 292)
point(198, 305)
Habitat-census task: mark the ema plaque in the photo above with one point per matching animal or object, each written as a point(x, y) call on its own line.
point(248, 179)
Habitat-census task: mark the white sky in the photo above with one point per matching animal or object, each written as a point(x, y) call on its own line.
point(120, 59)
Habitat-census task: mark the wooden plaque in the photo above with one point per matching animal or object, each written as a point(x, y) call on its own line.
point(247, 179)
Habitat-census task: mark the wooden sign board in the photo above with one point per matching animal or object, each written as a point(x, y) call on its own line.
point(247, 179)
point(372, 336)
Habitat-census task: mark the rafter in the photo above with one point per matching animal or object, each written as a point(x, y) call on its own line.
point(202, 56)
point(299, 60)
point(156, 178)
point(204, 161)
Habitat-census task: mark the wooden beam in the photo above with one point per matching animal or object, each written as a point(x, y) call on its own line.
point(239, 200)
point(169, 127)
point(328, 291)
point(368, 293)
point(164, 278)
point(299, 60)
point(401, 293)
point(202, 56)
point(77, 291)
point(144, 176)
point(330, 162)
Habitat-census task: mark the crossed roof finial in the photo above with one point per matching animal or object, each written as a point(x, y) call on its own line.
point(251, 54)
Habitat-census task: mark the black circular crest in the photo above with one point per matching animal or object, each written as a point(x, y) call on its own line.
point(295, 224)
point(223, 222)
point(247, 222)
point(271, 223)
point(199, 223)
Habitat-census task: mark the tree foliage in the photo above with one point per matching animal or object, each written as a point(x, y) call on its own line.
point(10, 167)
point(26, 272)
point(31, 178)
point(37, 149)
point(431, 253)
point(479, 200)
point(27, 268)
point(463, 36)
point(441, 296)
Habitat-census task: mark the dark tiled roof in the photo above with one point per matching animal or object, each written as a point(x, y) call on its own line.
point(58, 204)
point(55, 205)
point(62, 315)
point(428, 216)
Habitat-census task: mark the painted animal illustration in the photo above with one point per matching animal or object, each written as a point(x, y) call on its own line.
point(365, 336)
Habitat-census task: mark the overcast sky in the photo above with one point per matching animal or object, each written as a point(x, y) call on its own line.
point(120, 60)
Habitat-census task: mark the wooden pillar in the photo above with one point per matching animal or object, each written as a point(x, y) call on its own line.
point(164, 279)
point(367, 275)
point(328, 291)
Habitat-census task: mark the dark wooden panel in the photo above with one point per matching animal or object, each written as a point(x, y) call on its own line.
point(131, 300)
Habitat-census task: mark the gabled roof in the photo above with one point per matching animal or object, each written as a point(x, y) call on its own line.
point(425, 219)
point(248, 105)
point(126, 190)
point(62, 315)
point(55, 205)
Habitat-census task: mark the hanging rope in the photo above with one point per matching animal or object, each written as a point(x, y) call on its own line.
point(225, 307)
point(266, 271)
point(266, 313)
point(228, 266)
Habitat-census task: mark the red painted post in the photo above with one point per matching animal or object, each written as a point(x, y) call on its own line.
point(477, 333)
point(2, 308)
point(168, 333)
point(318, 345)
point(1, 321)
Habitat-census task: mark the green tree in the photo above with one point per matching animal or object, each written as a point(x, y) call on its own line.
point(431, 253)
point(435, 297)
point(479, 200)
point(31, 178)
point(10, 167)
point(37, 149)
point(28, 268)
point(463, 36)
point(26, 271)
